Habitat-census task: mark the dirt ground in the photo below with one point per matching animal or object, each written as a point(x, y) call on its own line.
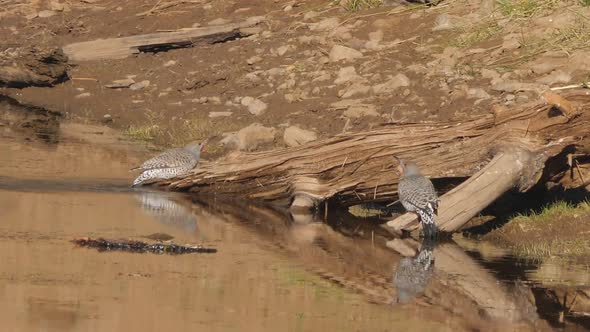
point(401, 63)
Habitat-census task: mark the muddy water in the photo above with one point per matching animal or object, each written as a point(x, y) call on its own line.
point(269, 273)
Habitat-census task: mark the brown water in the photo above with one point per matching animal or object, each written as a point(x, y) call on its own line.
point(269, 273)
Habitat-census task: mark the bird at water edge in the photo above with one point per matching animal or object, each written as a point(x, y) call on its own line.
point(170, 164)
point(417, 194)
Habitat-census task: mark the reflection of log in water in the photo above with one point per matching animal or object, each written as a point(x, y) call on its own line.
point(365, 266)
point(165, 210)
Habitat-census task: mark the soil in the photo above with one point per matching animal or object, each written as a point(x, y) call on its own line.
point(439, 50)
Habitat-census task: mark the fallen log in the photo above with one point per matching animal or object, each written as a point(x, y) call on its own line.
point(22, 67)
point(357, 168)
point(119, 48)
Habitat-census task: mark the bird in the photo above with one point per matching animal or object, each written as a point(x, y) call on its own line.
point(170, 164)
point(413, 273)
point(417, 194)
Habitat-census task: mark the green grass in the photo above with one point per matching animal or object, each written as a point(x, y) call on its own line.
point(552, 211)
point(585, 3)
point(356, 5)
point(526, 8)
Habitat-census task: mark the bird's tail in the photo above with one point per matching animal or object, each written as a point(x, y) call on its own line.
point(428, 222)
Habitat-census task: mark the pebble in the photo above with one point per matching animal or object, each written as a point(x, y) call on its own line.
point(139, 85)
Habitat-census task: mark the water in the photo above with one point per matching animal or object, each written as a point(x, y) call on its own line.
point(269, 273)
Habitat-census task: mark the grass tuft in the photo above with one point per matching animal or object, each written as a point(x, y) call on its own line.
point(356, 5)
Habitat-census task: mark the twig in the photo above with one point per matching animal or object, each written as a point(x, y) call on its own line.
point(583, 85)
point(344, 163)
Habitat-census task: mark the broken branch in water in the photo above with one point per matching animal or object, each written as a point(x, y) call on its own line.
point(141, 247)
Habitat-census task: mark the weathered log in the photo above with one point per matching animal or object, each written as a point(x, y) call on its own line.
point(22, 67)
point(119, 48)
point(357, 168)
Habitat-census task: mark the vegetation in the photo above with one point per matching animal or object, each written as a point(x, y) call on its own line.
point(559, 229)
point(356, 5)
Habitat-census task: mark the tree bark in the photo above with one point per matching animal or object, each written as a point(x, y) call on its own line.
point(357, 168)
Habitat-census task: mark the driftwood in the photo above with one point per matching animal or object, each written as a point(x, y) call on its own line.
point(22, 67)
point(119, 48)
point(356, 168)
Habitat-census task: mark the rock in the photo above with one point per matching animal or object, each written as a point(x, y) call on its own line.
point(107, 118)
point(253, 60)
point(124, 83)
point(340, 52)
point(83, 95)
point(557, 76)
point(375, 38)
point(309, 15)
point(139, 85)
point(170, 63)
point(478, 93)
point(284, 49)
point(295, 136)
point(356, 89)
point(355, 108)
point(46, 13)
point(347, 74)
point(255, 106)
point(250, 138)
point(219, 114)
point(288, 8)
point(442, 22)
point(399, 80)
point(219, 21)
point(325, 24)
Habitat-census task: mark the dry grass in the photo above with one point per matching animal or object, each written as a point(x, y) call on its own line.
point(178, 132)
point(356, 5)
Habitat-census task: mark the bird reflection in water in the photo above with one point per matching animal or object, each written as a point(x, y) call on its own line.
point(413, 273)
point(165, 210)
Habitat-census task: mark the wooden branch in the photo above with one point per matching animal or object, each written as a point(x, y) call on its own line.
point(118, 48)
point(510, 168)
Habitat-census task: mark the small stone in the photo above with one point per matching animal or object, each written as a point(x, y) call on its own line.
point(283, 49)
point(442, 23)
point(196, 25)
point(295, 136)
point(309, 15)
point(288, 8)
point(219, 114)
point(107, 118)
point(46, 13)
point(219, 21)
point(340, 52)
point(255, 106)
point(355, 89)
point(347, 74)
point(557, 76)
point(83, 95)
point(399, 80)
point(250, 138)
point(510, 97)
point(253, 60)
point(139, 85)
point(170, 63)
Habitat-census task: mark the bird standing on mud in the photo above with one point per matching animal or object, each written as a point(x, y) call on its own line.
point(170, 164)
point(417, 194)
